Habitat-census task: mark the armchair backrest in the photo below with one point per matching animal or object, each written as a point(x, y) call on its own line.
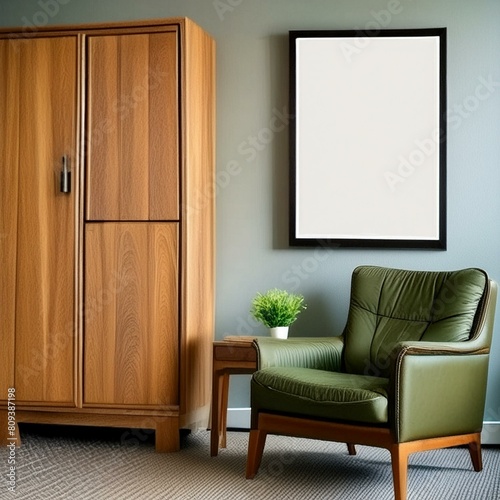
point(388, 306)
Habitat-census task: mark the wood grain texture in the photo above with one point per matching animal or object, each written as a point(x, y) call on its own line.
point(147, 305)
point(45, 255)
point(132, 131)
point(288, 425)
point(131, 314)
point(198, 223)
point(9, 160)
point(165, 425)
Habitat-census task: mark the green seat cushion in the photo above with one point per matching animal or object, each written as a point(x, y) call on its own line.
point(321, 394)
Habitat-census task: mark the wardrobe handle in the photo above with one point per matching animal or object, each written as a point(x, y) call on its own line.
point(65, 176)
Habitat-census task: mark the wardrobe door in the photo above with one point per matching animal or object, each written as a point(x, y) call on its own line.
point(39, 219)
point(133, 127)
point(9, 160)
point(131, 314)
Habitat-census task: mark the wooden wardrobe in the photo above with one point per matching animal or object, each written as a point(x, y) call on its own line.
point(107, 145)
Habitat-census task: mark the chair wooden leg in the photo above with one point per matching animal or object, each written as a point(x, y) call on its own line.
point(256, 443)
point(399, 458)
point(351, 449)
point(475, 453)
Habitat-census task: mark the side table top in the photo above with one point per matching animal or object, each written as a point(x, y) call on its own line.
point(235, 340)
point(239, 338)
point(235, 348)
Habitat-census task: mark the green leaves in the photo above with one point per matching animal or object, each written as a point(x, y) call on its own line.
point(277, 307)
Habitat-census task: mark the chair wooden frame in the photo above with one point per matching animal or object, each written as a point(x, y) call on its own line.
point(381, 437)
point(400, 441)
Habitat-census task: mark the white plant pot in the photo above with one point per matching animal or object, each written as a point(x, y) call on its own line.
point(279, 332)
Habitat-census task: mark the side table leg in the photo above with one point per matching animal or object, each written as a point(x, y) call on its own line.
point(215, 419)
point(223, 409)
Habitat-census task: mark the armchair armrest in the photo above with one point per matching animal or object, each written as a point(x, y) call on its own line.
point(321, 353)
point(438, 389)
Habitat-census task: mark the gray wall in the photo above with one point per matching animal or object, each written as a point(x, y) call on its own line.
point(252, 199)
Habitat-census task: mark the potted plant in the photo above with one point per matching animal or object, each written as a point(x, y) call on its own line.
point(277, 309)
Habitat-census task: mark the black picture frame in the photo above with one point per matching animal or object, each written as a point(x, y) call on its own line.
point(368, 138)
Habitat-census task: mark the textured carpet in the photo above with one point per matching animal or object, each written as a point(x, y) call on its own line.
point(84, 463)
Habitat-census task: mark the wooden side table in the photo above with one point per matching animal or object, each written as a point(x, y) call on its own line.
point(233, 355)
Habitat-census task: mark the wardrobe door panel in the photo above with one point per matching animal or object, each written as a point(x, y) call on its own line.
point(9, 160)
point(131, 314)
point(133, 127)
point(45, 259)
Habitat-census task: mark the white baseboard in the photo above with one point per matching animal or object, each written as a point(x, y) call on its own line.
point(239, 418)
point(491, 433)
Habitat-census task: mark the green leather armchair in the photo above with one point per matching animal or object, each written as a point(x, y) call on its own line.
point(407, 374)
